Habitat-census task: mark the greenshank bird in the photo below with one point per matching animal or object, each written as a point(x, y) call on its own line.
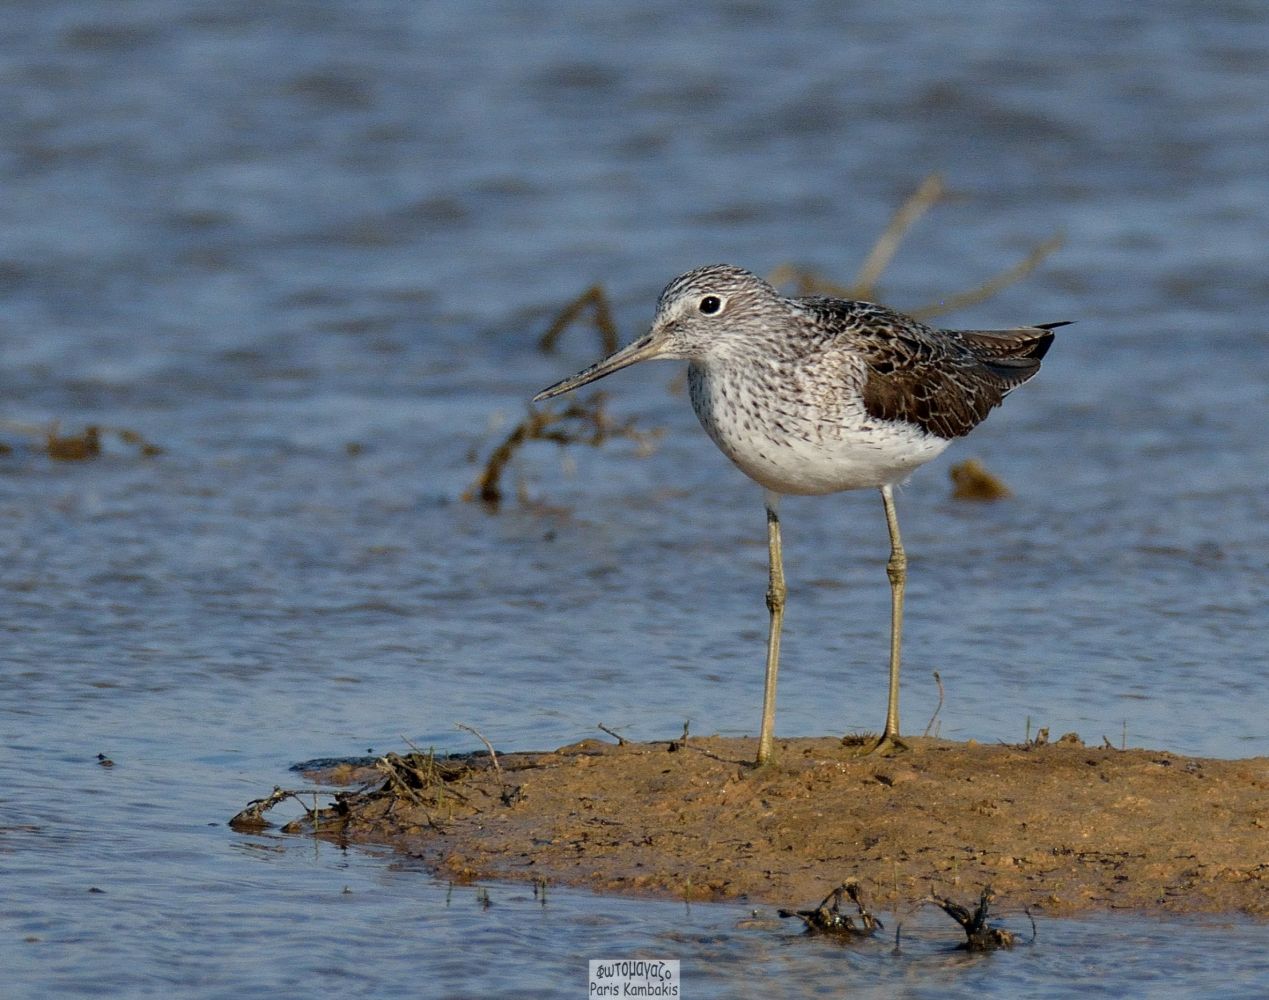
point(815, 395)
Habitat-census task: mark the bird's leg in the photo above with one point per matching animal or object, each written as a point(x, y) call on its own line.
point(897, 571)
point(775, 604)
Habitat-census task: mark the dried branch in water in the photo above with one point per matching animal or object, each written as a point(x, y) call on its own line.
point(979, 936)
point(621, 740)
point(681, 742)
point(802, 281)
point(146, 448)
point(423, 781)
point(937, 708)
point(583, 421)
point(931, 190)
point(509, 794)
point(419, 775)
point(601, 317)
point(972, 481)
point(887, 244)
point(251, 818)
point(493, 757)
point(77, 447)
point(993, 286)
point(805, 282)
point(828, 919)
point(73, 447)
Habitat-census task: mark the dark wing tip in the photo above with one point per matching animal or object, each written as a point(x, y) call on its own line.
point(1040, 346)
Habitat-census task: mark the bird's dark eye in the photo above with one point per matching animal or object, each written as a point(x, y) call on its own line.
point(710, 304)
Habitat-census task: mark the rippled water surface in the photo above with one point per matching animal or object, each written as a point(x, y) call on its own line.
point(307, 251)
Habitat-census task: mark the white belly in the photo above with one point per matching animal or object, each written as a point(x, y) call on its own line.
point(808, 445)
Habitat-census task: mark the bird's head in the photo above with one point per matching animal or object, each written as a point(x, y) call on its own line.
point(703, 315)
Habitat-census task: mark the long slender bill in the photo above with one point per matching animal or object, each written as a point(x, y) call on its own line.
point(647, 346)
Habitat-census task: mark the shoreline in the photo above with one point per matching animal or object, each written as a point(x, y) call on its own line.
point(1060, 828)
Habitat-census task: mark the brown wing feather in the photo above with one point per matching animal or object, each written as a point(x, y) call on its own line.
point(1020, 342)
point(943, 381)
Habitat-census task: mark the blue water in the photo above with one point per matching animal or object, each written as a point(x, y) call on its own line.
point(307, 250)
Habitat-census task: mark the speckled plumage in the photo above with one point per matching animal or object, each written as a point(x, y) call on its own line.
point(819, 395)
point(816, 395)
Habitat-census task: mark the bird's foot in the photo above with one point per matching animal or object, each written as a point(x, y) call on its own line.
point(887, 744)
point(766, 756)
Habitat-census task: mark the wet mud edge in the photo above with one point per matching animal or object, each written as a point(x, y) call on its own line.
point(1061, 828)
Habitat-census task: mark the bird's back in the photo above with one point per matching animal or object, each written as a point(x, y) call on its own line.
point(943, 381)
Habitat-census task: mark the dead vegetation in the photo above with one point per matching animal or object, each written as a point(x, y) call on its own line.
point(828, 918)
point(979, 934)
point(250, 819)
point(971, 481)
point(430, 785)
point(585, 421)
point(582, 421)
point(1054, 826)
point(596, 300)
point(76, 447)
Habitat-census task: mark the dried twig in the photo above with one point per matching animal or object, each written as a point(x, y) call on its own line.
point(884, 249)
point(681, 742)
point(826, 919)
point(394, 767)
point(601, 317)
point(937, 708)
point(251, 818)
point(77, 447)
point(979, 936)
point(493, 756)
point(972, 481)
point(590, 424)
point(879, 257)
point(423, 781)
point(806, 282)
point(992, 286)
point(621, 740)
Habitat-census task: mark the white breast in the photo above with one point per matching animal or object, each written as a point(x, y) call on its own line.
point(795, 435)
